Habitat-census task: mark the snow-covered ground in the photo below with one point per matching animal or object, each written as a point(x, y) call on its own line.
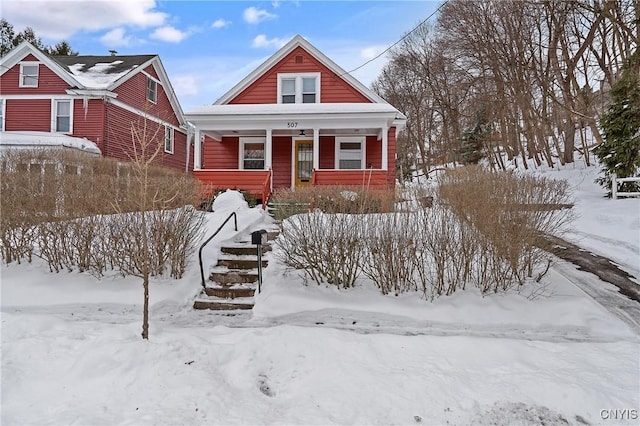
point(72, 352)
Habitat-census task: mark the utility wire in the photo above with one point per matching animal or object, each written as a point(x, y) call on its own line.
point(399, 41)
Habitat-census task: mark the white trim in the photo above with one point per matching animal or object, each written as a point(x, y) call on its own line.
point(22, 74)
point(268, 150)
point(384, 161)
point(146, 87)
point(151, 77)
point(54, 115)
point(362, 140)
point(146, 115)
point(3, 113)
point(14, 57)
point(316, 148)
point(34, 96)
point(298, 41)
point(197, 150)
point(298, 85)
point(246, 140)
point(171, 130)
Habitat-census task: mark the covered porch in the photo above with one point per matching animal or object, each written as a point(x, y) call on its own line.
point(261, 148)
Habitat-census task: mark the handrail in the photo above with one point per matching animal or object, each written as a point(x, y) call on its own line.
point(235, 220)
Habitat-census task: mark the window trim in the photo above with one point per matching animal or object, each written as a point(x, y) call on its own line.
point(171, 133)
point(247, 140)
point(155, 82)
point(298, 84)
point(54, 116)
point(362, 140)
point(23, 74)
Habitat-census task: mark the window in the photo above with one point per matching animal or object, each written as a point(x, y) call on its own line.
point(252, 150)
point(299, 88)
point(152, 90)
point(168, 139)
point(62, 116)
point(29, 74)
point(2, 103)
point(350, 153)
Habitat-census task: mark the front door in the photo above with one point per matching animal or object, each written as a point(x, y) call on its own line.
point(303, 159)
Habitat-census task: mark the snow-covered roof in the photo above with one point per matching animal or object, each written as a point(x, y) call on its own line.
point(26, 140)
point(290, 109)
point(101, 72)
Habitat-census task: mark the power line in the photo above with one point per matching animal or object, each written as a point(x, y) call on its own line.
point(400, 40)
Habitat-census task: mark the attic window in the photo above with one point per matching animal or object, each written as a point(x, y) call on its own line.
point(299, 88)
point(298, 59)
point(152, 90)
point(29, 74)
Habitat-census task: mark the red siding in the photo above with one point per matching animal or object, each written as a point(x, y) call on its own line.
point(134, 92)
point(118, 142)
point(332, 87)
point(28, 114)
point(220, 154)
point(374, 153)
point(89, 123)
point(152, 72)
point(48, 82)
point(327, 152)
point(281, 162)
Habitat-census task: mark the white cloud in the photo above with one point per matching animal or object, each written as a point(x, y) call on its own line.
point(116, 38)
point(61, 19)
point(253, 15)
point(169, 34)
point(185, 85)
point(275, 4)
point(371, 52)
point(220, 23)
point(261, 40)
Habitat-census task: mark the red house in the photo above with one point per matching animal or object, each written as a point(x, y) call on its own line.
point(297, 120)
point(98, 98)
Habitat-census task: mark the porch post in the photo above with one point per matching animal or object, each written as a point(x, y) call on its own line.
point(316, 149)
point(385, 148)
point(268, 149)
point(197, 151)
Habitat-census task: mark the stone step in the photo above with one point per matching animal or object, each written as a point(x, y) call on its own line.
point(222, 304)
point(243, 249)
point(229, 292)
point(226, 276)
point(244, 262)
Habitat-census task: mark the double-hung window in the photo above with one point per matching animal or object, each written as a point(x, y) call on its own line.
point(62, 115)
point(299, 88)
point(168, 139)
point(252, 153)
point(29, 74)
point(152, 90)
point(350, 152)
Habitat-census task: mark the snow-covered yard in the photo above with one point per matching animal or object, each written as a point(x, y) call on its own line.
point(72, 352)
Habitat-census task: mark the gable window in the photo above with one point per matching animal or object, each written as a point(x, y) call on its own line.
point(299, 88)
point(252, 153)
point(62, 115)
point(152, 90)
point(168, 139)
point(29, 74)
point(350, 152)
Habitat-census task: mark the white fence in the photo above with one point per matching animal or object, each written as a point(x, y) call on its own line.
point(614, 187)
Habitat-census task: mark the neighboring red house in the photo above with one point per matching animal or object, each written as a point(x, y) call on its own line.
point(98, 98)
point(297, 120)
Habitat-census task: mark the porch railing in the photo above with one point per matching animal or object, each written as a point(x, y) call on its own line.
point(255, 182)
point(370, 178)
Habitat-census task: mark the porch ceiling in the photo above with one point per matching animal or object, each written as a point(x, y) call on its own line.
point(370, 131)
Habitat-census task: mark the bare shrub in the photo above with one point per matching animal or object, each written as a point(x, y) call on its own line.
point(390, 243)
point(327, 247)
point(509, 212)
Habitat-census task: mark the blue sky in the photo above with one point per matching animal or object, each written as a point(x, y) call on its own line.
point(208, 46)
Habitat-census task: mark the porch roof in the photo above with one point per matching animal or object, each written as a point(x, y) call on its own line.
point(278, 115)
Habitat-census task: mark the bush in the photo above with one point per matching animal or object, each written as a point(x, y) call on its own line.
point(78, 212)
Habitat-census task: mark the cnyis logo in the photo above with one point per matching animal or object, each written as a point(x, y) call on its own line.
point(619, 414)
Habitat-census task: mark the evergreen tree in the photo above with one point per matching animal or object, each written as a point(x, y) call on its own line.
point(9, 39)
point(620, 151)
point(472, 143)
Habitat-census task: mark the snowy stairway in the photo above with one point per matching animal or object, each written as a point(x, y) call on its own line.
point(234, 280)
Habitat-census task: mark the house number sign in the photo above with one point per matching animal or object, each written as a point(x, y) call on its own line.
point(292, 124)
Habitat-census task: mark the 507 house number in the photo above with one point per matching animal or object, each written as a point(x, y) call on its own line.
point(292, 124)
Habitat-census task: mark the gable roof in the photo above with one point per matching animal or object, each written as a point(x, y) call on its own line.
point(298, 41)
point(95, 72)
